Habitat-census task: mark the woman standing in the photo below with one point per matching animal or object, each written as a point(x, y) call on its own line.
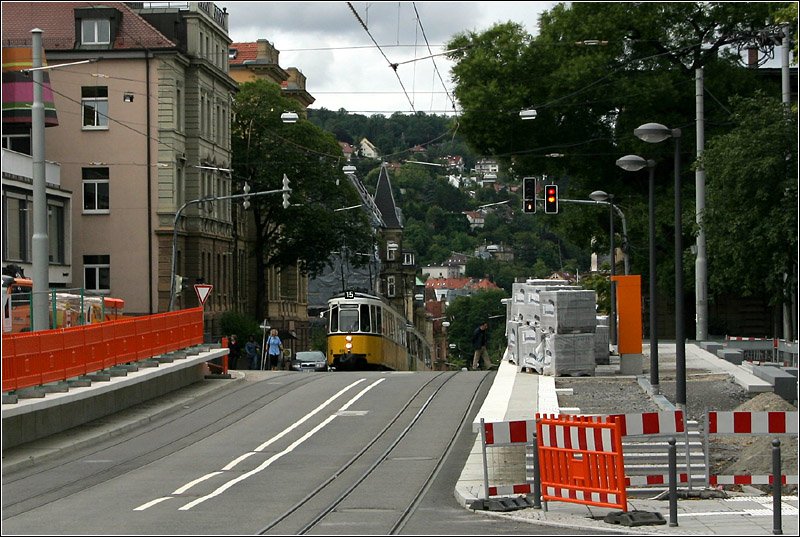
point(274, 350)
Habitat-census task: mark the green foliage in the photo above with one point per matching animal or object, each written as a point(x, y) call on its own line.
point(264, 151)
point(751, 216)
point(466, 313)
point(239, 324)
point(600, 284)
point(589, 99)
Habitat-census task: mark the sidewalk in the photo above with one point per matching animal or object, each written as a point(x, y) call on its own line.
point(517, 396)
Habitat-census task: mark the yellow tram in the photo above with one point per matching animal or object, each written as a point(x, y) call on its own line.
point(366, 332)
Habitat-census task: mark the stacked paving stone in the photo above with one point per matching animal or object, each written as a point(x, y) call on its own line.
point(569, 320)
point(551, 327)
point(601, 341)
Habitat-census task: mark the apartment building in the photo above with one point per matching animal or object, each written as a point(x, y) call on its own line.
point(144, 129)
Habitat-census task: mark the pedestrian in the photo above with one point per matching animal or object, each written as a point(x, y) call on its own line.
point(234, 349)
point(253, 352)
point(274, 349)
point(479, 340)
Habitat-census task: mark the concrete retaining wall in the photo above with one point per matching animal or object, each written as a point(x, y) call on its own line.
point(32, 419)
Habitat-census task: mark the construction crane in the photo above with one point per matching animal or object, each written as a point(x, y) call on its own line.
point(366, 199)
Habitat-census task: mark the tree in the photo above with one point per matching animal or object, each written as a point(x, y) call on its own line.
point(751, 215)
point(466, 313)
point(265, 150)
point(589, 99)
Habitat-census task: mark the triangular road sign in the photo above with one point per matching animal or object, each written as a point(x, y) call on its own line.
point(202, 290)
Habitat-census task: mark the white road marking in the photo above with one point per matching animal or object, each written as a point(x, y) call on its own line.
point(239, 459)
point(277, 456)
point(189, 485)
point(152, 503)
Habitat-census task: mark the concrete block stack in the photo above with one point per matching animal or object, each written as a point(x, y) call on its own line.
point(601, 341)
point(568, 311)
point(529, 338)
point(554, 327)
point(569, 321)
point(569, 354)
point(512, 328)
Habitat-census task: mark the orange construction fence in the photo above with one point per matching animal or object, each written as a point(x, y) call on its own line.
point(34, 358)
point(580, 461)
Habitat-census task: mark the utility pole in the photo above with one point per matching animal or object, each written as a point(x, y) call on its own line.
point(40, 243)
point(701, 261)
point(790, 309)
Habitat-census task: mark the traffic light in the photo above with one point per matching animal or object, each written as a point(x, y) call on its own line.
point(286, 191)
point(178, 284)
point(551, 199)
point(529, 194)
point(246, 203)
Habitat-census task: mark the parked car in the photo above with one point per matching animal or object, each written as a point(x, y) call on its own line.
point(309, 361)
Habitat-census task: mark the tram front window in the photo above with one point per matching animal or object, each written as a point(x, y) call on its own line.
point(348, 320)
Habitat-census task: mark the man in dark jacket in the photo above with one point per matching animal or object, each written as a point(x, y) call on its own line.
point(479, 339)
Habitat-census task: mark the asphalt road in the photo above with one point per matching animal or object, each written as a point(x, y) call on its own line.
point(280, 453)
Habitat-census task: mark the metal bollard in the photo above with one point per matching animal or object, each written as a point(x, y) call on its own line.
point(776, 487)
point(673, 484)
point(537, 478)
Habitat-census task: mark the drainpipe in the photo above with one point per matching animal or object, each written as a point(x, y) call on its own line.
point(149, 188)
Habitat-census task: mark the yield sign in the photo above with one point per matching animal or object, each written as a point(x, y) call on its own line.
point(203, 290)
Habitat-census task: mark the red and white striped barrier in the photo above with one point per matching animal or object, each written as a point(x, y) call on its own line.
point(752, 422)
point(572, 436)
point(584, 496)
point(504, 433)
point(653, 479)
point(750, 480)
point(651, 423)
point(507, 490)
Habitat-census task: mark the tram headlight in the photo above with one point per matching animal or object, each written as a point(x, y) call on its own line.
point(348, 346)
point(348, 338)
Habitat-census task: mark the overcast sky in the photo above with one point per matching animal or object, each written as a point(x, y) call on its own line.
point(343, 66)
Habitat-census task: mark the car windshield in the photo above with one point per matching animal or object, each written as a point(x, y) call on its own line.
point(310, 356)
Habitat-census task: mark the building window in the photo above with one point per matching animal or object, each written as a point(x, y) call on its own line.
point(390, 286)
point(391, 251)
point(95, 32)
point(408, 258)
point(21, 143)
point(178, 110)
point(97, 273)
point(94, 102)
point(55, 232)
point(15, 234)
point(95, 190)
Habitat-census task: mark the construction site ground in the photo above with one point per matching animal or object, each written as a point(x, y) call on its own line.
point(609, 393)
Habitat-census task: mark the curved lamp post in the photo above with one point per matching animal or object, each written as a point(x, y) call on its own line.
point(655, 133)
point(600, 196)
point(633, 163)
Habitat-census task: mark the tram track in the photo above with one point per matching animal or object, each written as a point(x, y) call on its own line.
point(295, 521)
point(212, 413)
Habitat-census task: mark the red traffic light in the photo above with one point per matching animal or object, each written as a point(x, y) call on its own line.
point(551, 199)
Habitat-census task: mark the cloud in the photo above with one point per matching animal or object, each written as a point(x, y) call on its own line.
point(339, 57)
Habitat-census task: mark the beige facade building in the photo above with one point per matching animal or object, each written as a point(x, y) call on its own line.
point(143, 129)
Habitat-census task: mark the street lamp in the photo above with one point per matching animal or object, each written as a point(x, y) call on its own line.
point(40, 240)
point(527, 114)
point(599, 195)
point(655, 133)
point(634, 163)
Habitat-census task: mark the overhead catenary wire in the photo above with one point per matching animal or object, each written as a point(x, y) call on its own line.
point(393, 66)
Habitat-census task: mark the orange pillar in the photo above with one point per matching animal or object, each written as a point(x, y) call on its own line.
point(629, 311)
